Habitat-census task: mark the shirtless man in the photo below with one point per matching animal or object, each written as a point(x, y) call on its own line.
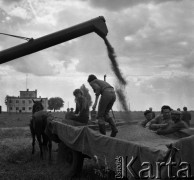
point(106, 102)
point(178, 125)
point(148, 117)
point(163, 120)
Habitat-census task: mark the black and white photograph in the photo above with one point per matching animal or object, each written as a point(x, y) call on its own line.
point(96, 89)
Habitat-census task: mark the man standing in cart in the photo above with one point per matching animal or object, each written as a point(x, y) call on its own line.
point(81, 113)
point(106, 102)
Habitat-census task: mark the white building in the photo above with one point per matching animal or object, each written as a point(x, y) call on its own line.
point(24, 103)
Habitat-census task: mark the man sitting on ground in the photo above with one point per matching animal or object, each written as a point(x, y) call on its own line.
point(177, 126)
point(161, 121)
point(148, 115)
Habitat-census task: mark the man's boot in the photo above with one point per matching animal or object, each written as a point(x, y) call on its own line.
point(102, 127)
point(113, 127)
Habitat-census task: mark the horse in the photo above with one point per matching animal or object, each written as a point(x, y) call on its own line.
point(38, 125)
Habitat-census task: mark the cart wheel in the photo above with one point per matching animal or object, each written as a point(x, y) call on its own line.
point(70, 161)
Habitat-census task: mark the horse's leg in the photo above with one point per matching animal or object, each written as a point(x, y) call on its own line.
point(50, 148)
point(44, 144)
point(33, 136)
point(40, 145)
point(33, 143)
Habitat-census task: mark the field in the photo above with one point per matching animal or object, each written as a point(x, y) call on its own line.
point(16, 161)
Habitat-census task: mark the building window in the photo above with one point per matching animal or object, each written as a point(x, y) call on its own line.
point(23, 108)
point(10, 108)
point(30, 101)
point(17, 108)
point(17, 101)
point(23, 101)
point(30, 108)
point(10, 101)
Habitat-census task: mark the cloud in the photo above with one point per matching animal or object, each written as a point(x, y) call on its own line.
point(189, 61)
point(159, 40)
point(37, 64)
point(95, 59)
point(19, 12)
point(2, 15)
point(176, 91)
point(115, 5)
point(88, 50)
point(171, 86)
point(11, 1)
point(16, 8)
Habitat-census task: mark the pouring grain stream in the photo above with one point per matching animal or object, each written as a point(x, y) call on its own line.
point(120, 88)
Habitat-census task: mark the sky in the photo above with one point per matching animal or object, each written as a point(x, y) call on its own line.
point(153, 41)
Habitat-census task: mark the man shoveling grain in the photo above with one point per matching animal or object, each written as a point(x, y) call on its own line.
point(106, 102)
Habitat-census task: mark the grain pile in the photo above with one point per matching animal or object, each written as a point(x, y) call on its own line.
point(144, 137)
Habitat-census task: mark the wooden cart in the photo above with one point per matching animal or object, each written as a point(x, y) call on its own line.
point(77, 142)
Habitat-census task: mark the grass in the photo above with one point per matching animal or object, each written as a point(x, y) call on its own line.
point(23, 119)
point(14, 119)
point(17, 162)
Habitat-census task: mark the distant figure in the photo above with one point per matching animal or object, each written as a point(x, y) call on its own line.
point(81, 113)
point(67, 114)
point(106, 102)
point(163, 120)
point(153, 113)
point(148, 115)
point(71, 109)
point(177, 126)
point(186, 116)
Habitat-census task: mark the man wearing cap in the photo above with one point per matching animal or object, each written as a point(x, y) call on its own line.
point(177, 126)
point(106, 102)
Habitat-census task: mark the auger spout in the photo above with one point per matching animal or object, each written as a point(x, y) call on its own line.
point(96, 25)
